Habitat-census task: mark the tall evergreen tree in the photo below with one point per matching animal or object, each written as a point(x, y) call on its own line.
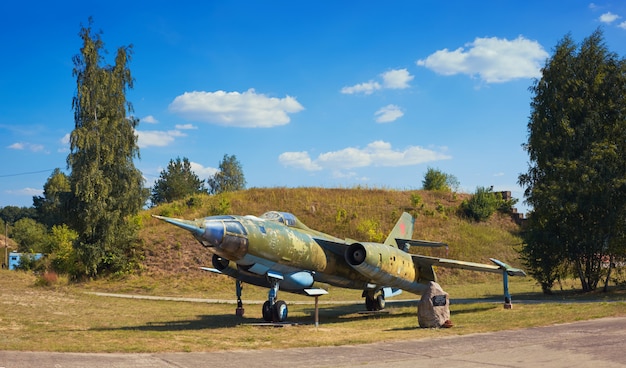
point(229, 178)
point(176, 182)
point(576, 181)
point(107, 188)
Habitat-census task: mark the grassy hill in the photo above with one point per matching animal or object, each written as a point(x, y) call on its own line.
point(360, 213)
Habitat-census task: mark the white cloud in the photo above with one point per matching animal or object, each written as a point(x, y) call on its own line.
point(397, 79)
point(392, 79)
point(65, 144)
point(149, 119)
point(378, 153)
point(299, 160)
point(494, 60)
point(27, 146)
point(26, 192)
point(609, 17)
point(65, 139)
point(388, 114)
point(246, 110)
point(622, 25)
point(366, 88)
point(201, 171)
point(185, 127)
point(157, 138)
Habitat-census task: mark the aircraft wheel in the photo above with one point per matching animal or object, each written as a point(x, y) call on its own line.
point(280, 311)
point(267, 311)
point(370, 303)
point(380, 302)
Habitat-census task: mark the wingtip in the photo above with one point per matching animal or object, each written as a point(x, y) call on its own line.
point(512, 271)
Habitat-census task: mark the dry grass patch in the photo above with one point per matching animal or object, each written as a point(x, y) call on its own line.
point(65, 318)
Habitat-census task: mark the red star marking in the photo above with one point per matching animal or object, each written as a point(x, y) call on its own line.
point(402, 229)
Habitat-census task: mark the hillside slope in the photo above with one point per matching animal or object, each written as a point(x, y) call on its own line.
point(363, 214)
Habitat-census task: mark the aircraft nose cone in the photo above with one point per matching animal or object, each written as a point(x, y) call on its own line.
point(213, 233)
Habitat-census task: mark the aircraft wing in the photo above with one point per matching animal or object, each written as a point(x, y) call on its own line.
point(452, 263)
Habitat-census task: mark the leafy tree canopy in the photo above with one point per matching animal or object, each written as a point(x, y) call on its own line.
point(229, 178)
point(435, 179)
point(107, 189)
point(576, 180)
point(52, 208)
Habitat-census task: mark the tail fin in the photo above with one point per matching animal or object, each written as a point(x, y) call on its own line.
point(402, 230)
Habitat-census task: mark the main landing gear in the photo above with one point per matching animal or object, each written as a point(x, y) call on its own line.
point(373, 302)
point(274, 310)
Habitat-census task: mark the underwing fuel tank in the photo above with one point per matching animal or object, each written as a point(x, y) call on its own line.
point(385, 265)
point(294, 282)
point(224, 234)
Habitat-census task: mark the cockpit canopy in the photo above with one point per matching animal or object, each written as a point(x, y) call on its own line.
point(286, 218)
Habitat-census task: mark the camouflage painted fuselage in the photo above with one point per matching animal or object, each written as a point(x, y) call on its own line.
point(250, 248)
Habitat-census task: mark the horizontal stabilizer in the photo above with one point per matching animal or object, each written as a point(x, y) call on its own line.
point(452, 263)
point(420, 243)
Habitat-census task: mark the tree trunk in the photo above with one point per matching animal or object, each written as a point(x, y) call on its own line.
point(608, 275)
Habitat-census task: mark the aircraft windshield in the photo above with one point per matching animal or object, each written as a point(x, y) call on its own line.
point(283, 217)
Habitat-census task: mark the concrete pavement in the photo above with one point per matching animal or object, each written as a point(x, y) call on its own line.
point(594, 343)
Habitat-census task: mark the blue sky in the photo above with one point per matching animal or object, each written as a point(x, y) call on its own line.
point(303, 93)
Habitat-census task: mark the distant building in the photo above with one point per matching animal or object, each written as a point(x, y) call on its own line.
point(15, 258)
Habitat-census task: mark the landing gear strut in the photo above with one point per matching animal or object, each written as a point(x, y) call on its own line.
point(239, 311)
point(274, 310)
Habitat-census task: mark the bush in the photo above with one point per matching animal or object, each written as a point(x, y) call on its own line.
point(481, 205)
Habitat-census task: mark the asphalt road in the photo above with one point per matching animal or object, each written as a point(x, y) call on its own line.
point(595, 343)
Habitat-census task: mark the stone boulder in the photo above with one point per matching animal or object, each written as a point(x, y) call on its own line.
point(433, 309)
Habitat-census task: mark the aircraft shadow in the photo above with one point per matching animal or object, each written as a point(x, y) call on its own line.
point(204, 322)
point(333, 314)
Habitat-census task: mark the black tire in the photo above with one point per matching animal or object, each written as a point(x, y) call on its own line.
point(370, 303)
point(267, 311)
point(380, 302)
point(280, 311)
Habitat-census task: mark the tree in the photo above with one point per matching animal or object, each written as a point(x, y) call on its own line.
point(482, 204)
point(30, 236)
point(52, 208)
point(229, 178)
point(107, 189)
point(12, 214)
point(435, 179)
point(61, 252)
point(545, 262)
point(576, 180)
point(176, 182)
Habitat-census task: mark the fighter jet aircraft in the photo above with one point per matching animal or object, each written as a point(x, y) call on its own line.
point(277, 251)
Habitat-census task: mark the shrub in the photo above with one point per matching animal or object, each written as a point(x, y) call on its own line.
point(481, 205)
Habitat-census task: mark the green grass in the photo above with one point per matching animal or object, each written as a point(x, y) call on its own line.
point(66, 318)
